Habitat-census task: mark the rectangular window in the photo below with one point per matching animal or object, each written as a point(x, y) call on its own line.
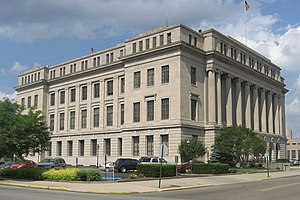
point(169, 38)
point(134, 47)
point(81, 147)
point(147, 44)
point(62, 97)
point(293, 154)
point(35, 101)
point(72, 120)
point(165, 108)
point(153, 42)
point(98, 61)
point(122, 85)
point(96, 90)
point(195, 41)
point(96, 117)
point(149, 146)
point(58, 148)
point(165, 140)
point(223, 48)
point(193, 75)
point(193, 109)
point(86, 64)
point(61, 121)
point(51, 124)
point(140, 45)
point(82, 65)
point(150, 110)
point(165, 74)
point(161, 40)
point(135, 145)
point(52, 99)
point(83, 118)
point(23, 102)
point(122, 114)
point(107, 149)
point(94, 147)
point(74, 69)
point(120, 146)
point(110, 88)
point(111, 57)
point(242, 58)
point(107, 58)
point(94, 62)
point(190, 39)
point(150, 77)
point(137, 79)
point(121, 52)
point(109, 115)
point(84, 93)
point(136, 112)
point(73, 95)
point(70, 148)
point(233, 53)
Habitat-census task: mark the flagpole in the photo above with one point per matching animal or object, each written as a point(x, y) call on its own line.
point(245, 13)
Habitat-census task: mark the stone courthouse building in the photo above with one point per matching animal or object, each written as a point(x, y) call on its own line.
point(157, 88)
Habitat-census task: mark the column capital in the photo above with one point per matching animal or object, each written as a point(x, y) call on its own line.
point(246, 83)
point(253, 86)
point(211, 70)
point(262, 90)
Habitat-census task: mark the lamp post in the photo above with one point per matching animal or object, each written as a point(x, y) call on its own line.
point(97, 154)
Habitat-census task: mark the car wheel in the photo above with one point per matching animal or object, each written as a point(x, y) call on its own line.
point(123, 169)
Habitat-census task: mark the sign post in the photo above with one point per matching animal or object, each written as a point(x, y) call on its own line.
point(163, 149)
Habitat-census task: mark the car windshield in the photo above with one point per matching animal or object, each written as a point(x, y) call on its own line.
point(48, 160)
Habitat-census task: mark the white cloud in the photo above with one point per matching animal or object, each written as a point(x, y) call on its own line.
point(12, 96)
point(17, 68)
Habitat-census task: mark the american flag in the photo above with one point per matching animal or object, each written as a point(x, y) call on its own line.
point(247, 5)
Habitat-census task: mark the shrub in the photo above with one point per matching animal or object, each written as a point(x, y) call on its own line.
point(210, 168)
point(23, 173)
point(153, 170)
point(57, 175)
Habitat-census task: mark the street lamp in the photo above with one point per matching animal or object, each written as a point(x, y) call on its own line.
point(97, 154)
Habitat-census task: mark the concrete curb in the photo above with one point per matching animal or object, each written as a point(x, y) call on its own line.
point(185, 187)
point(35, 186)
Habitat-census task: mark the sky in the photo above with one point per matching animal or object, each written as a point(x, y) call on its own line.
point(37, 33)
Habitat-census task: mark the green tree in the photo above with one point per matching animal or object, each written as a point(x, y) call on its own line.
point(190, 149)
point(238, 143)
point(20, 133)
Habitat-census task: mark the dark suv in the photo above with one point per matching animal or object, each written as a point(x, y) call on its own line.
point(124, 164)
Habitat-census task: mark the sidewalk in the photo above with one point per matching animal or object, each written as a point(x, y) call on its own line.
point(149, 185)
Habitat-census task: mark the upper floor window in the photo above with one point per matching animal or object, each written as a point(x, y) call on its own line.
point(136, 112)
point(122, 85)
point(96, 90)
point(29, 102)
point(165, 74)
point(193, 75)
point(140, 45)
point(107, 58)
point(52, 99)
point(84, 93)
point(193, 109)
point(73, 95)
point(61, 121)
point(223, 48)
point(110, 87)
point(109, 115)
point(243, 58)
point(169, 38)
point(23, 101)
point(83, 118)
point(150, 110)
point(72, 120)
point(122, 115)
point(165, 108)
point(134, 47)
point(150, 77)
point(233, 53)
point(154, 42)
point(147, 44)
point(62, 97)
point(137, 79)
point(51, 124)
point(36, 100)
point(195, 41)
point(161, 40)
point(190, 39)
point(96, 117)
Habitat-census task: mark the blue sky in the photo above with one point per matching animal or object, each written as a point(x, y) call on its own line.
point(38, 33)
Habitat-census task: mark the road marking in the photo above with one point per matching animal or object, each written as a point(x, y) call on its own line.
point(281, 186)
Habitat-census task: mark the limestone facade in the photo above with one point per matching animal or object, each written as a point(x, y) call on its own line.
point(159, 87)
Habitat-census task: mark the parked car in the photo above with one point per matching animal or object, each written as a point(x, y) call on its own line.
point(294, 161)
point(183, 167)
point(6, 165)
point(125, 164)
point(24, 164)
point(109, 166)
point(152, 160)
point(56, 163)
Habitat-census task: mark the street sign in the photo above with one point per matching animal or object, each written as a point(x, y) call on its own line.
point(163, 150)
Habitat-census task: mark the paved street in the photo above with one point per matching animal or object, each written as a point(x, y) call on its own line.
point(273, 189)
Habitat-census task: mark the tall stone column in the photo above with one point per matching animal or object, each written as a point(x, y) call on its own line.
point(283, 115)
point(255, 105)
point(263, 114)
point(228, 101)
point(219, 99)
point(270, 113)
point(247, 105)
point(211, 97)
point(280, 114)
point(238, 112)
point(276, 114)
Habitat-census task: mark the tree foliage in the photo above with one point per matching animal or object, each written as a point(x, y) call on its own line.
point(190, 149)
point(238, 143)
point(20, 133)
